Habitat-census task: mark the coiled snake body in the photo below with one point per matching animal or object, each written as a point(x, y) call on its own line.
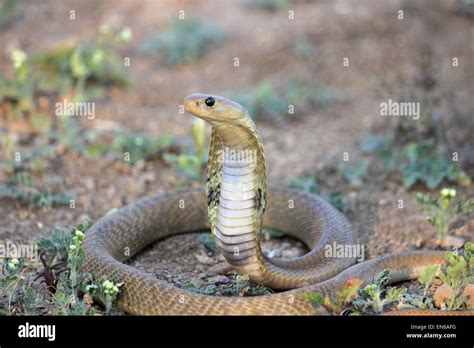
point(235, 206)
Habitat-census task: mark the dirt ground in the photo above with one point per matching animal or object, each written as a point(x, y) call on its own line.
point(384, 58)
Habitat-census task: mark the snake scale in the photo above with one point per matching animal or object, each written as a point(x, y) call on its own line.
point(234, 207)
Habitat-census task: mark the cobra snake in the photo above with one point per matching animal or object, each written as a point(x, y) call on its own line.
point(234, 207)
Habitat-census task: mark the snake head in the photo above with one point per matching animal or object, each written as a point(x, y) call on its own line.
point(214, 109)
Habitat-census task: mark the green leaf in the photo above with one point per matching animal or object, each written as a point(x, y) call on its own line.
point(469, 250)
point(314, 297)
point(427, 275)
point(371, 144)
point(357, 172)
point(434, 180)
point(41, 123)
point(268, 5)
point(208, 241)
point(383, 279)
point(369, 291)
point(409, 179)
point(456, 174)
point(304, 183)
point(388, 157)
point(338, 201)
point(184, 41)
point(395, 294)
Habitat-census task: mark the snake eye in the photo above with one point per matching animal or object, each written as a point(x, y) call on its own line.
point(210, 101)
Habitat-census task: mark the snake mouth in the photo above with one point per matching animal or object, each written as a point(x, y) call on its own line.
point(192, 101)
point(195, 104)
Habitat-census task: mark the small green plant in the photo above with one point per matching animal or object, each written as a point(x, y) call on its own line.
point(427, 276)
point(268, 5)
point(83, 69)
point(441, 210)
point(208, 241)
point(338, 201)
point(309, 184)
point(241, 286)
point(191, 165)
point(11, 279)
point(67, 297)
point(18, 92)
point(416, 162)
point(307, 96)
point(15, 288)
point(242, 280)
point(61, 299)
point(73, 137)
point(22, 188)
point(96, 63)
point(411, 301)
point(304, 183)
point(140, 147)
point(31, 300)
point(375, 297)
point(7, 11)
point(132, 147)
point(423, 301)
point(76, 260)
point(457, 273)
point(91, 143)
point(304, 48)
point(73, 292)
point(267, 102)
point(382, 148)
point(355, 174)
point(185, 40)
point(107, 290)
point(344, 296)
point(297, 99)
point(67, 246)
point(22, 163)
point(56, 244)
point(425, 165)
